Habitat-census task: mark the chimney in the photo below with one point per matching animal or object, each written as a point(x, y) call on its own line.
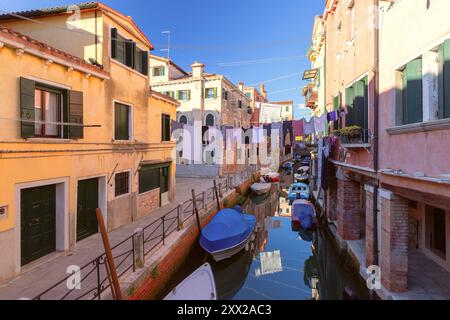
point(241, 86)
point(263, 91)
point(197, 69)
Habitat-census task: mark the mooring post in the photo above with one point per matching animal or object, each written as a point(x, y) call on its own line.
point(138, 248)
point(194, 203)
point(216, 192)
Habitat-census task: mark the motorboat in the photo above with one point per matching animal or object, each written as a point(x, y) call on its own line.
point(299, 191)
point(261, 188)
point(272, 177)
point(229, 232)
point(303, 215)
point(302, 175)
point(200, 285)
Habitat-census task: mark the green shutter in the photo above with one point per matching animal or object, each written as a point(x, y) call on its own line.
point(412, 105)
point(188, 95)
point(349, 103)
point(360, 114)
point(122, 122)
point(76, 114)
point(444, 80)
point(113, 43)
point(215, 93)
point(27, 115)
point(144, 57)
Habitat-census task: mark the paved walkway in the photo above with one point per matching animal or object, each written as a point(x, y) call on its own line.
point(44, 273)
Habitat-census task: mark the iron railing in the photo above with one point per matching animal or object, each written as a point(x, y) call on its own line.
point(359, 137)
point(93, 282)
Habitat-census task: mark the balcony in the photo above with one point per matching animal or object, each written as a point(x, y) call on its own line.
point(354, 137)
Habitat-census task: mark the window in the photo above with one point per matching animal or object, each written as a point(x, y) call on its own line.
point(122, 183)
point(357, 102)
point(249, 95)
point(169, 94)
point(209, 121)
point(210, 93)
point(225, 94)
point(159, 71)
point(411, 93)
point(352, 24)
point(337, 106)
point(126, 52)
point(165, 127)
point(436, 231)
point(184, 95)
point(183, 120)
point(47, 112)
point(149, 179)
point(122, 122)
point(44, 107)
point(287, 109)
point(240, 104)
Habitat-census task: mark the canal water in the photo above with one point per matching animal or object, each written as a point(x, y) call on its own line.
point(281, 264)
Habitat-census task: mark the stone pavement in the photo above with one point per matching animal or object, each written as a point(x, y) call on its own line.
point(44, 273)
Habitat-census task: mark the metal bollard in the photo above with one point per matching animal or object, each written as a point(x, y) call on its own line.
point(138, 247)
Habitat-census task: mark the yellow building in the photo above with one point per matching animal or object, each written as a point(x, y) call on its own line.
point(77, 135)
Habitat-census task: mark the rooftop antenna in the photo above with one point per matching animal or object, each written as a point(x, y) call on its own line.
point(168, 44)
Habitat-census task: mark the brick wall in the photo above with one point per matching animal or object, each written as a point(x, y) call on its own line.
point(348, 209)
point(148, 202)
point(371, 228)
point(332, 199)
point(394, 242)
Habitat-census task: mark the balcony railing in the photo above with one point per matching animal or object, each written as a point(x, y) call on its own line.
point(360, 138)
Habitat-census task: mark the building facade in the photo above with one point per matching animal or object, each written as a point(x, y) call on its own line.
point(287, 110)
point(76, 136)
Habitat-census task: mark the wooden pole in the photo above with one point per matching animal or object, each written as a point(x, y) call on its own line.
point(194, 203)
point(109, 257)
point(217, 195)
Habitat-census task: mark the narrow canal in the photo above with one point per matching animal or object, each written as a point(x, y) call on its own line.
point(281, 264)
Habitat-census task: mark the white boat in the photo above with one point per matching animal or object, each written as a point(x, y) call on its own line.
point(199, 286)
point(261, 188)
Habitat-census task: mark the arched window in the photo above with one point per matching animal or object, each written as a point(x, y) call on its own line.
point(209, 122)
point(183, 120)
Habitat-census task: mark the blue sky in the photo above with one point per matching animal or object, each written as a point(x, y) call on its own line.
point(223, 31)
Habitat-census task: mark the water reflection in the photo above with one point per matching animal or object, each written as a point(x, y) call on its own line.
point(281, 264)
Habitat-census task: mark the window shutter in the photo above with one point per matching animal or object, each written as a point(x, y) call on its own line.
point(27, 107)
point(349, 95)
point(130, 49)
point(444, 86)
point(113, 43)
point(188, 94)
point(76, 114)
point(359, 106)
point(144, 57)
point(413, 112)
point(215, 93)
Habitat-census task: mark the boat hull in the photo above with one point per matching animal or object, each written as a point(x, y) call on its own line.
point(228, 253)
point(260, 189)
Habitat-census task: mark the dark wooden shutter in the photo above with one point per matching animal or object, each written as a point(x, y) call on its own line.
point(113, 43)
point(360, 107)
point(27, 115)
point(76, 114)
point(413, 112)
point(130, 49)
point(122, 122)
point(144, 57)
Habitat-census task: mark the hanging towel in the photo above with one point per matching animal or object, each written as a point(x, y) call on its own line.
point(258, 135)
point(320, 123)
point(287, 133)
point(308, 126)
point(332, 116)
point(297, 125)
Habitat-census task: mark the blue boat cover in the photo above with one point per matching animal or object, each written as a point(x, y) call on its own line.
point(226, 230)
point(305, 215)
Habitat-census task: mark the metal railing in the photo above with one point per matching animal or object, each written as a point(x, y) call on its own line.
point(90, 282)
point(359, 137)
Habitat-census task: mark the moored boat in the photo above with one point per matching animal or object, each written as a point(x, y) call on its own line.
point(303, 214)
point(228, 233)
point(261, 188)
point(200, 285)
point(299, 191)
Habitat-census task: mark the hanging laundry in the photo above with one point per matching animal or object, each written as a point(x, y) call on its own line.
point(320, 123)
point(287, 139)
point(308, 126)
point(332, 116)
point(257, 135)
point(297, 125)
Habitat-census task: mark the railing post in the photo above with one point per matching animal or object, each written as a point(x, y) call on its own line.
point(138, 249)
point(204, 199)
point(99, 285)
point(220, 190)
point(179, 213)
point(164, 230)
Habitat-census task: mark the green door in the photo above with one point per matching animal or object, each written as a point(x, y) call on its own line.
point(87, 204)
point(38, 223)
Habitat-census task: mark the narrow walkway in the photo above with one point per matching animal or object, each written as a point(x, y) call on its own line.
point(44, 273)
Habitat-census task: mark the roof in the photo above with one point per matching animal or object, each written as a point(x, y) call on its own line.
point(164, 97)
point(284, 103)
point(59, 10)
point(18, 40)
point(169, 62)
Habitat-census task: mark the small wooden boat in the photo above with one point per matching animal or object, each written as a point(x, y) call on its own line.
point(303, 214)
point(261, 188)
point(299, 191)
point(200, 286)
point(229, 232)
point(273, 177)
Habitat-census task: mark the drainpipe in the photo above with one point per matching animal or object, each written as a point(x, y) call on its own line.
point(376, 124)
